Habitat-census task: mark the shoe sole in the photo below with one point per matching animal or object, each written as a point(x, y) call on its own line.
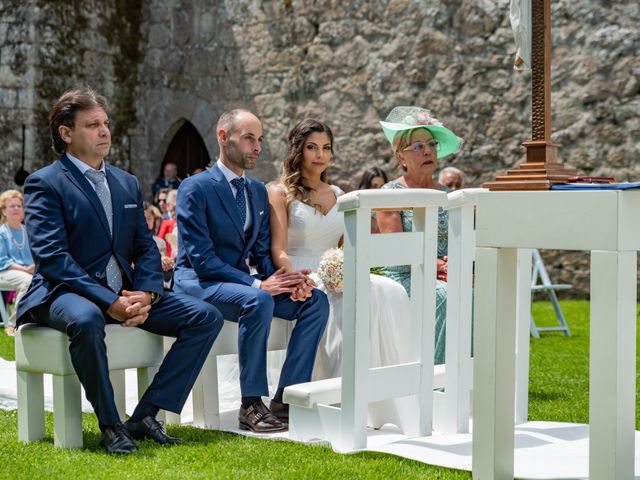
point(118, 452)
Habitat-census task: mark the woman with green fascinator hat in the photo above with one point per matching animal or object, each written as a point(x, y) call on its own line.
point(418, 139)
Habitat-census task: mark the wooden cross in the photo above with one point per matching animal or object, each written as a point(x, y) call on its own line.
point(541, 169)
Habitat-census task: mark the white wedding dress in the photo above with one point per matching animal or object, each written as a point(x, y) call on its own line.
point(311, 234)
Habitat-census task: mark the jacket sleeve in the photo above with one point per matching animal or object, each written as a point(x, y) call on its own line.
point(48, 241)
point(198, 242)
point(147, 271)
point(261, 250)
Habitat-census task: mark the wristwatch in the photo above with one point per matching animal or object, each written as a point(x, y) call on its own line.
point(154, 297)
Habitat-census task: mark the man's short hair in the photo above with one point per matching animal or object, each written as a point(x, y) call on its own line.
point(64, 112)
point(228, 119)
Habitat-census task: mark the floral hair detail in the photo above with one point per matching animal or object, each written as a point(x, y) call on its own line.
point(421, 118)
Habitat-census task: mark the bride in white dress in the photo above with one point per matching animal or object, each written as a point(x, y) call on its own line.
point(305, 222)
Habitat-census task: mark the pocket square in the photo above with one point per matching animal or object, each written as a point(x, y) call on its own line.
point(261, 212)
point(130, 205)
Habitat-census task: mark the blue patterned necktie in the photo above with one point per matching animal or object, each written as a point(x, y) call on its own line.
point(241, 200)
point(97, 177)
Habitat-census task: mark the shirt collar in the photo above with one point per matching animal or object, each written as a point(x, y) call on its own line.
point(83, 167)
point(228, 174)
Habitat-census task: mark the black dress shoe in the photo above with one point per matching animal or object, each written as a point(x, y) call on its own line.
point(280, 410)
point(116, 439)
point(257, 418)
point(151, 428)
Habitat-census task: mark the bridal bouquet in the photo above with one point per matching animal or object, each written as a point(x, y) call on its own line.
point(331, 270)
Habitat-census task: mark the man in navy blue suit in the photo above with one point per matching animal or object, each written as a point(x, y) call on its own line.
point(97, 263)
point(223, 222)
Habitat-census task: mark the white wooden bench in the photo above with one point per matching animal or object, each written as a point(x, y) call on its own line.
point(43, 350)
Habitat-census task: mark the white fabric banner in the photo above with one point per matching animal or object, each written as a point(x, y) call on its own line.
point(520, 16)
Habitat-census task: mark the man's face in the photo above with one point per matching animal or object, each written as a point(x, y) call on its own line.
point(241, 145)
point(452, 180)
point(170, 171)
point(90, 138)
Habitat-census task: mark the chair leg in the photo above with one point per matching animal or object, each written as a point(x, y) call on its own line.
point(117, 378)
point(206, 404)
point(30, 406)
point(559, 315)
point(145, 377)
point(67, 412)
point(533, 328)
point(3, 312)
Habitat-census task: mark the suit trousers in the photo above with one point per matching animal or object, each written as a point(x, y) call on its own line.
point(253, 310)
point(195, 325)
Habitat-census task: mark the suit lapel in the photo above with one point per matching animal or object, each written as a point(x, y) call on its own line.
point(117, 200)
point(224, 192)
point(82, 183)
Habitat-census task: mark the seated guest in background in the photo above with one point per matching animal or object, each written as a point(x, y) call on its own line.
point(169, 178)
point(417, 140)
point(97, 264)
point(16, 263)
point(160, 201)
point(154, 219)
point(153, 216)
point(223, 220)
point(452, 178)
point(373, 178)
point(169, 220)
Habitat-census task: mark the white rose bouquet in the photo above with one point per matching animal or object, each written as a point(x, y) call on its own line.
point(331, 270)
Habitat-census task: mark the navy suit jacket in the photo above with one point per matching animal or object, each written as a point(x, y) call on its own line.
point(213, 247)
point(71, 241)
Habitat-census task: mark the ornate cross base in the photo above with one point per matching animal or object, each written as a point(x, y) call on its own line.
point(538, 172)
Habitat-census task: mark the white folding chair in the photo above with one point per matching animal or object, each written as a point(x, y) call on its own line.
point(539, 273)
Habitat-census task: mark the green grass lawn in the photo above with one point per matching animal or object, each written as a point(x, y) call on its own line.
point(558, 389)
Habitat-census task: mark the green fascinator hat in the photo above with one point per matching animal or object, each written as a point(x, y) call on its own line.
point(401, 119)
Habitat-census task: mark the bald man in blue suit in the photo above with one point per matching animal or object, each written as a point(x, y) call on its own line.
point(97, 263)
point(223, 223)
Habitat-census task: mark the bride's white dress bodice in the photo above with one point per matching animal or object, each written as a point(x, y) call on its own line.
point(311, 233)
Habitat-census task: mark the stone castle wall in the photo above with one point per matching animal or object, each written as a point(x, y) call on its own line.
point(346, 63)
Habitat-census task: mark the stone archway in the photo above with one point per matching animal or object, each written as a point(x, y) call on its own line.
point(187, 150)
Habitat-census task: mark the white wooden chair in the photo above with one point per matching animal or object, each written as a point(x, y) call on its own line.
point(407, 388)
point(452, 410)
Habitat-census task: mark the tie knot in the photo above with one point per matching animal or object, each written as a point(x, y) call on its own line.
point(96, 176)
point(238, 183)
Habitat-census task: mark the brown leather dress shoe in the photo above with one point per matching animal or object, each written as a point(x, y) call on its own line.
point(280, 410)
point(257, 418)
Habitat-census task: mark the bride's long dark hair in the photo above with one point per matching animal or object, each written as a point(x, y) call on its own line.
point(292, 167)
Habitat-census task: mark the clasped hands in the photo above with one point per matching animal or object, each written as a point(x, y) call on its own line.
point(131, 308)
point(297, 284)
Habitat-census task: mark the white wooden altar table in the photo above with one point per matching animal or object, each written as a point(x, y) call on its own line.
point(606, 223)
